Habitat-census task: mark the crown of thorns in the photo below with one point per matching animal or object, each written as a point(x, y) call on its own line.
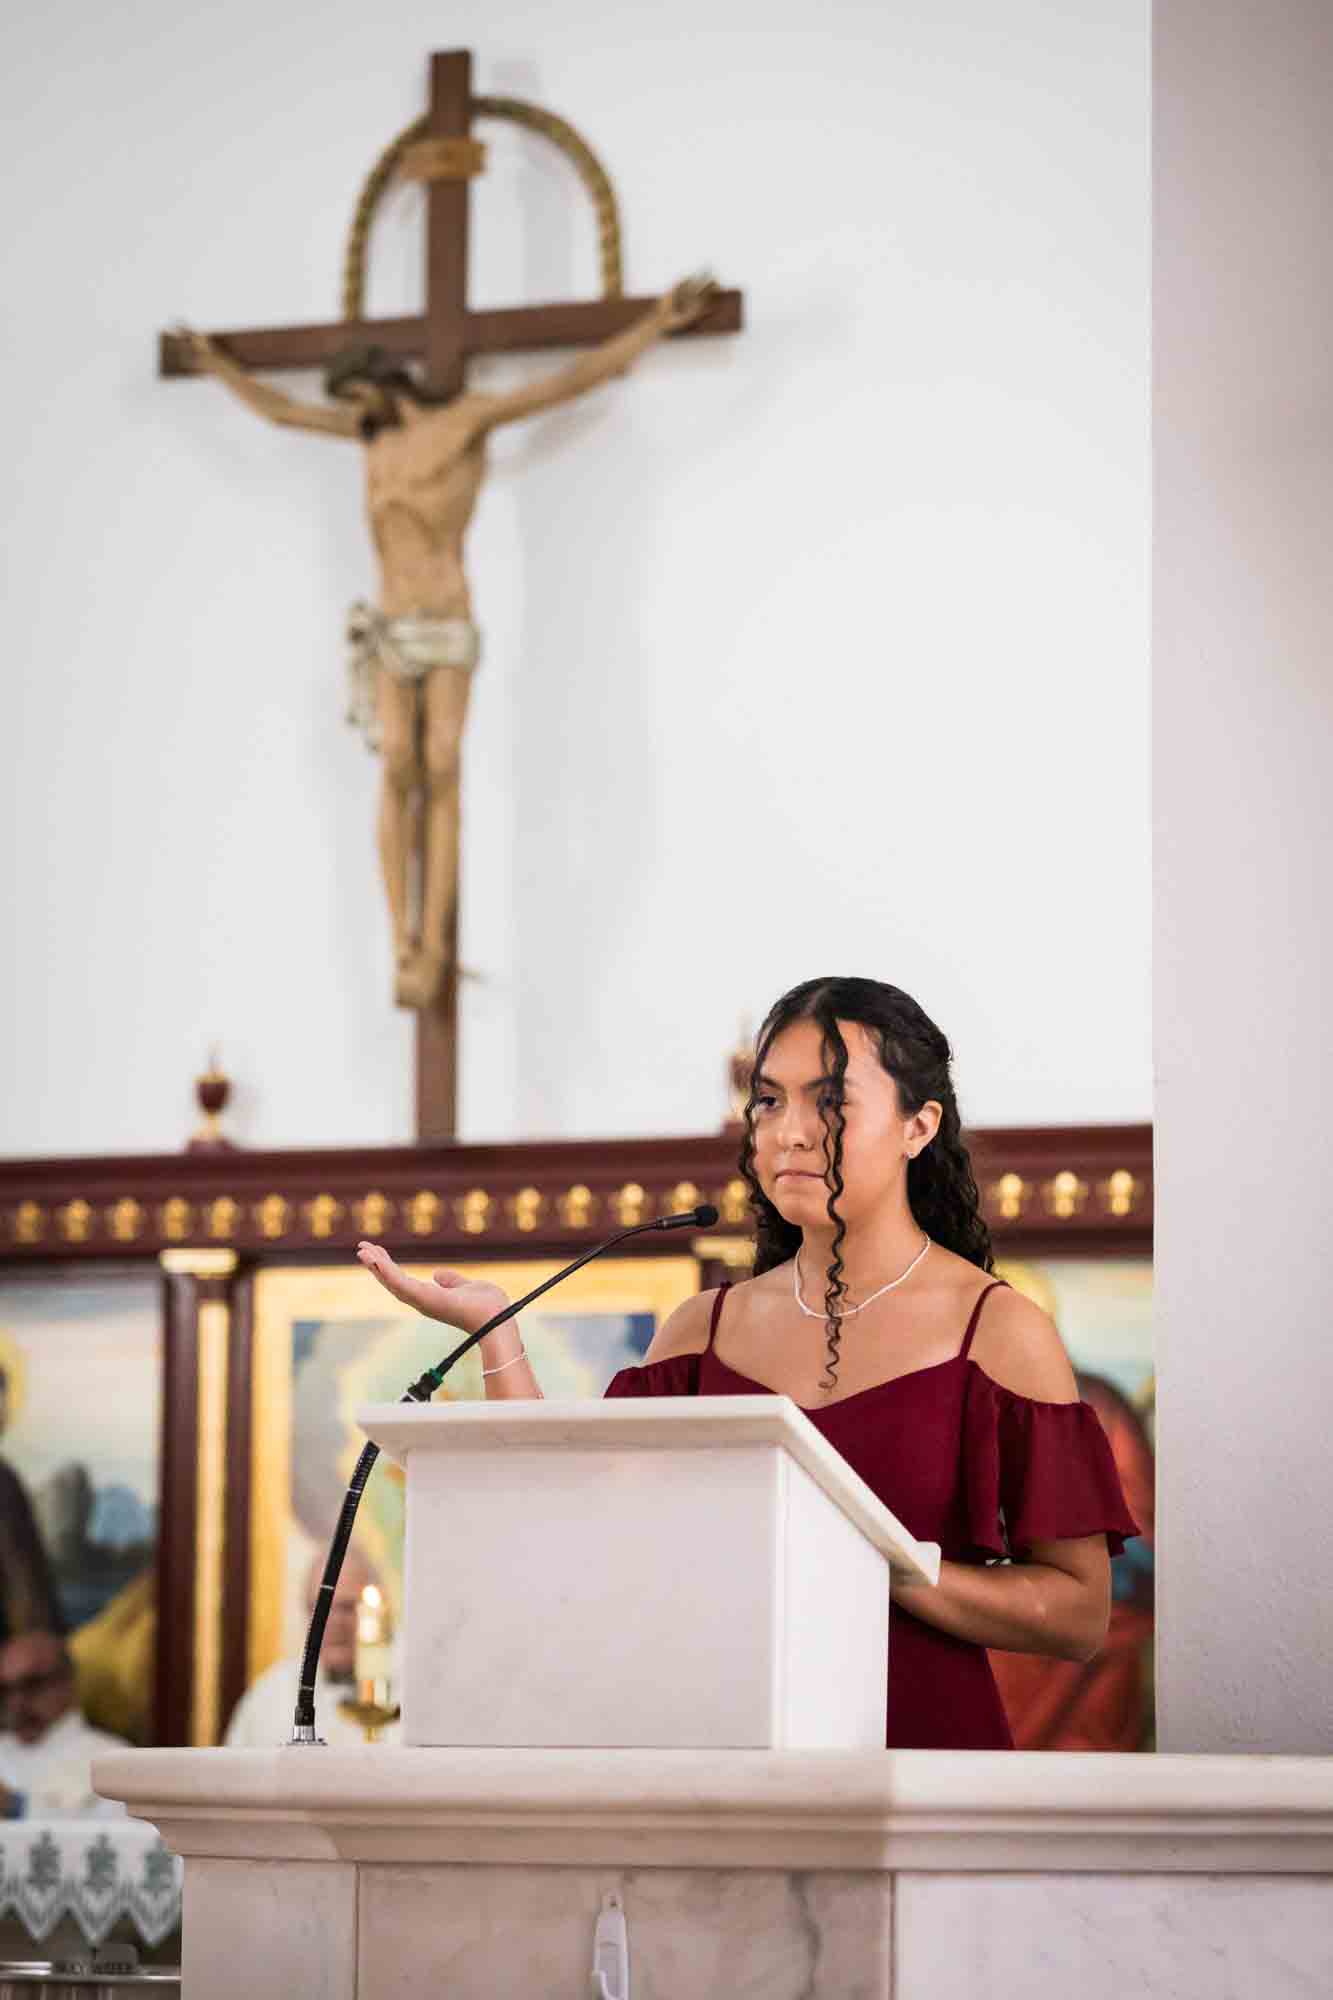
point(365, 364)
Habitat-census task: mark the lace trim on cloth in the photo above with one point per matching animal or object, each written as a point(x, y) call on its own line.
point(92, 1872)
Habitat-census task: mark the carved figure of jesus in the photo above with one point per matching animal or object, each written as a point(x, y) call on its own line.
point(413, 656)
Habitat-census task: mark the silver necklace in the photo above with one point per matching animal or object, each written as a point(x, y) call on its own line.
point(850, 1312)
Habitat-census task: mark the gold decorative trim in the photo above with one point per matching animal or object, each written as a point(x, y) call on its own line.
point(423, 1213)
point(1009, 1196)
point(223, 1215)
point(1065, 1195)
point(175, 1219)
point(733, 1202)
point(516, 112)
point(271, 1464)
point(473, 1212)
point(627, 1205)
point(75, 1220)
point(374, 1213)
point(272, 1215)
point(1098, 1198)
point(29, 1222)
point(526, 1208)
point(1121, 1193)
point(124, 1219)
point(214, 1325)
point(577, 1206)
point(442, 160)
point(323, 1215)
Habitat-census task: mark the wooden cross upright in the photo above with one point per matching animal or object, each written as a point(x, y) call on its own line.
point(444, 337)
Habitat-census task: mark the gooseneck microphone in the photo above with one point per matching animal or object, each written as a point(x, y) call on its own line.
point(421, 1391)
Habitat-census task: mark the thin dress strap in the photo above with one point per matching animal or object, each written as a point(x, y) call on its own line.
point(722, 1291)
point(976, 1315)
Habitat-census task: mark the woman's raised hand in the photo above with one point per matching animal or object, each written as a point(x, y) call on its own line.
point(447, 1296)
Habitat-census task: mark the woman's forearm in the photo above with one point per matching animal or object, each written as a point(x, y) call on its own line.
point(1028, 1607)
point(507, 1374)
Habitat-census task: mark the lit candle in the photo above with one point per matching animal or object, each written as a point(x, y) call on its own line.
point(373, 1661)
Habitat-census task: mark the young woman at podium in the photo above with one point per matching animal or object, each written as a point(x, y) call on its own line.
point(873, 1306)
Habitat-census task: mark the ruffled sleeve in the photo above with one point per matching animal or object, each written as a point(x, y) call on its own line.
point(678, 1375)
point(1037, 1472)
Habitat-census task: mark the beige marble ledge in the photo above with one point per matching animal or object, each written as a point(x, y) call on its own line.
point(923, 1811)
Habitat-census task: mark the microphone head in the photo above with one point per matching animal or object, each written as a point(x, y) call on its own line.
point(702, 1217)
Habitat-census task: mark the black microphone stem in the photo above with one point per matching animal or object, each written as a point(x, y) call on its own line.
point(421, 1391)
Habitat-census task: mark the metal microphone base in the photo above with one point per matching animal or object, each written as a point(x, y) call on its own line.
point(303, 1734)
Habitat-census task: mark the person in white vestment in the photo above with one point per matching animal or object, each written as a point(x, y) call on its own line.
point(262, 1718)
point(46, 1747)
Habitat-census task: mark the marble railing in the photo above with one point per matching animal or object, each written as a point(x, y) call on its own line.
point(897, 1875)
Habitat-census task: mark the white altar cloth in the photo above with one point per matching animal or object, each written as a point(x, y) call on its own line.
point(93, 1870)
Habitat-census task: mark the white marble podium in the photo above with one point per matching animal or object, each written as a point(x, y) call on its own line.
point(693, 1573)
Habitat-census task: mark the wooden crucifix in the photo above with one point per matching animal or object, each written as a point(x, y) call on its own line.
point(418, 647)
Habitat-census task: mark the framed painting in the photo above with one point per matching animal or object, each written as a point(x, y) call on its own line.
point(1103, 1308)
point(80, 1474)
point(326, 1341)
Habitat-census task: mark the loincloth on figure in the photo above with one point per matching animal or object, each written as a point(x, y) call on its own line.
point(408, 648)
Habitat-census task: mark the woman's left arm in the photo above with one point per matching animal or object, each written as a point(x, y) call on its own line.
point(1055, 1600)
point(1056, 1597)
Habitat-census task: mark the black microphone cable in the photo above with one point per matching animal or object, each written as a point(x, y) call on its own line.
point(421, 1391)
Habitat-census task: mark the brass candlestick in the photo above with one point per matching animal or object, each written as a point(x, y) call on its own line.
point(372, 1716)
point(373, 1706)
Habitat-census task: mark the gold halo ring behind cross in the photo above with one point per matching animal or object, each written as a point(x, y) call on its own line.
point(462, 156)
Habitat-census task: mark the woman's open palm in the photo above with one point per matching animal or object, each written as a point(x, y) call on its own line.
point(447, 1296)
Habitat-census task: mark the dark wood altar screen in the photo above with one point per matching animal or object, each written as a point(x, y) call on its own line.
point(213, 1220)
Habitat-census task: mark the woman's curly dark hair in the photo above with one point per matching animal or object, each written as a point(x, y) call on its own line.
point(941, 1187)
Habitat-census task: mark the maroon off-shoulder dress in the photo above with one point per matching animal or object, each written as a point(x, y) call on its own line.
point(961, 1462)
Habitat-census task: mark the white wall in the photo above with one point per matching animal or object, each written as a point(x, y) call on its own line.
point(1243, 821)
point(820, 649)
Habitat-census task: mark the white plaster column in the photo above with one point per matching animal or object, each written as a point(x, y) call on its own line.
point(1242, 817)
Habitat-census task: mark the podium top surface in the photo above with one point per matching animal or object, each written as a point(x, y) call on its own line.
point(684, 1423)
